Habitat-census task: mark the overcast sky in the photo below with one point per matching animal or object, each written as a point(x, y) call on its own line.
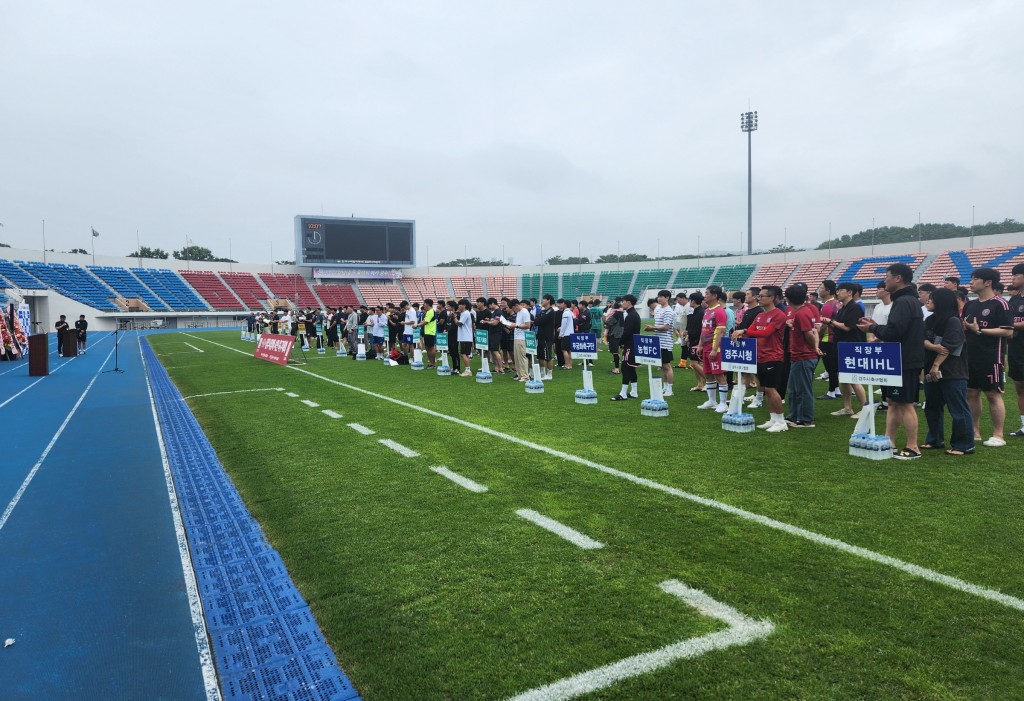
point(592, 126)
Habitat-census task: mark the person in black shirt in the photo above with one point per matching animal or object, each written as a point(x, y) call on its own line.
point(843, 329)
point(545, 325)
point(694, 321)
point(988, 325)
point(630, 327)
point(945, 380)
point(83, 327)
point(61, 326)
point(1015, 351)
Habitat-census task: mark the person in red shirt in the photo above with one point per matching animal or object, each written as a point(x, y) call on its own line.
point(804, 351)
point(769, 328)
point(712, 329)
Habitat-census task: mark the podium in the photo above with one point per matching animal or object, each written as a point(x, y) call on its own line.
point(38, 355)
point(71, 343)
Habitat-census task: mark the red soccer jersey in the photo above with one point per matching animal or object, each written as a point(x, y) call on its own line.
point(804, 319)
point(768, 328)
point(713, 318)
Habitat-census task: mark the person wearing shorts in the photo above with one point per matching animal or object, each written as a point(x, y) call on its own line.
point(988, 325)
point(545, 325)
point(1015, 352)
point(664, 317)
point(769, 328)
point(82, 327)
point(713, 327)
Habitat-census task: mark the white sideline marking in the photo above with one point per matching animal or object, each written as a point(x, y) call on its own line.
point(561, 530)
point(290, 394)
point(198, 350)
point(237, 391)
point(742, 630)
point(332, 414)
point(399, 448)
point(855, 550)
point(459, 479)
point(359, 428)
point(310, 403)
point(191, 588)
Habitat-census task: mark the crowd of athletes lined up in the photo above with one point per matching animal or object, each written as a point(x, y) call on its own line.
point(957, 342)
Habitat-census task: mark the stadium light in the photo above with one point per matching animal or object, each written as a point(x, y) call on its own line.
point(748, 124)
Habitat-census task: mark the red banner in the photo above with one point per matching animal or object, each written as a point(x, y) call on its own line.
point(274, 348)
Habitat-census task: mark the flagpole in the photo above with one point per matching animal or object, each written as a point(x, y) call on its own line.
point(93, 237)
point(138, 247)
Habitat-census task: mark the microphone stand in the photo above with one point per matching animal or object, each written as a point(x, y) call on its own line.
point(116, 343)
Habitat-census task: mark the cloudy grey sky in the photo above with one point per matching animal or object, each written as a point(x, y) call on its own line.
point(570, 125)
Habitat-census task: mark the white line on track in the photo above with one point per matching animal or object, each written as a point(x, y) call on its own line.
point(561, 530)
point(28, 387)
point(742, 629)
point(359, 428)
point(188, 571)
point(398, 448)
point(237, 391)
point(834, 543)
point(459, 479)
point(198, 350)
point(332, 414)
point(310, 403)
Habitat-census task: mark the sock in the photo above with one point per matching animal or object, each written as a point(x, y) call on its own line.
point(776, 418)
point(711, 388)
point(1022, 422)
point(632, 388)
point(625, 389)
point(760, 395)
point(723, 395)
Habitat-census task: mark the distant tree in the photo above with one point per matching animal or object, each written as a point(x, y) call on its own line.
point(570, 260)
point(922, 232)
point(624, 258)
point(79, 250)
point(783, 249)
point(469, 263)
point(194, 253)
point(5, 245)
point(147, 252)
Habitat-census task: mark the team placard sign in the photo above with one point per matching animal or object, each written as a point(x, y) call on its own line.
point(583, 346)
point(647, 350)
point(739, 356)
point(274, 348)
point(531, 343)
point(480, 339)
point(870, 364)
point(442, 341)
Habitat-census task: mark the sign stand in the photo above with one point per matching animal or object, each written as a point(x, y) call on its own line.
point(864, 443)
point(480, 340)
point(533, 385)
point(583, 346)
point(739, 357)
point(587, 395)
point(360, 351)
point(417, 359)
point(656, 406)
point(870, 364)
point(444, 369)
point(735, 419)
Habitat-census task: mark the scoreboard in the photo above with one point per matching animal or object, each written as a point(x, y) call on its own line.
point(345, 241)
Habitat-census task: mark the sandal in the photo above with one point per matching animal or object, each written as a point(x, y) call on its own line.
point(906, 454)
point(929, 446)
point(959, 453)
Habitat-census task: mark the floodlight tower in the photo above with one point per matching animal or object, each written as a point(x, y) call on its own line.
point(748, 123)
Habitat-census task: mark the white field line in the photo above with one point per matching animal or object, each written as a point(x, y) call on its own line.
point(742, 630)
point(359, 428)
point(332, 414)
point(237, 391)
point(310, 403)
point(46, 451)
point(855, 550)
point(195, 605)
point(561, 530)
point(399, 448)
point(290, 394)
point(459, 479)
point(198, 350)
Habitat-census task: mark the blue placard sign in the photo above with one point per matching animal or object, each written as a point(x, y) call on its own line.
point(870, 364)
point(583, 346)
point(739, 356)
point(647, 350)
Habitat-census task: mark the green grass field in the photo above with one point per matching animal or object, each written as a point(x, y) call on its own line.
point(427, 590)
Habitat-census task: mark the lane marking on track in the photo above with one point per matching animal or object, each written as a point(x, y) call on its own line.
point(398, 448)
point(459, 479)
point(359, 428)
point(561, 530)
point(742, 630)
point(28, 387)
point(930, 575)
point(237, 391)
point(195, 605)
point(332, 414)
point(310, 404)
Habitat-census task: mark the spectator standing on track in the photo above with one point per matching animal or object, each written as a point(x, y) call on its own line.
point(945, 380)
point(804, 351)
point(713, 328)
point(82, 326)
point(989, 326)
point(906, 327)
point(630, 328)
point(663, 320)
point(1015, 353)
point(60, 327)
point(769, 329)
point(545, 335)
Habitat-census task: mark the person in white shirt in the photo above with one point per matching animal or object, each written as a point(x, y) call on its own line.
point(411, 317)
point(880, 316)
point(564, 331)
point(664, 318)
point(522, 324)
point(465, 336)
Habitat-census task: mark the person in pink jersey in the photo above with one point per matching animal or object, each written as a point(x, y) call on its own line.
point(712, 330)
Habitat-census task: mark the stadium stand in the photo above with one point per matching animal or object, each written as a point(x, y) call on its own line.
point(501, 286)
point(290, 286)
point(535, 285)
point(169, 286)
point(733, 277)
point(247, 288)
point(336, 295)
point(420, 288)
point(381, 293)
point(576, 285)
point(469, 287)
point(125, 284)
point(772, 274)
point(213, 290)
point(813, 272)
point(692, 278)
point(615, 283)
point(647, 279)
point(961, 263)
point(16, 277)
point(74, 282)
point(868, 271)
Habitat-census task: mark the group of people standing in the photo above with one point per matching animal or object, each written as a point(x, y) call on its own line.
point(81, 337)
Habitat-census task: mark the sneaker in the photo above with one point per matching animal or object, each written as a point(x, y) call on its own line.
point(882, 407)
point(823, 376)
point(709, 404)
point(857, 415)
point(828, 396)
point(766, 425)
point(994, 442)
point(619, 398)
point(667, 392)
point(749, 399)
point(1019, 433)
point(466, 373)
point(777, 428)
point(802, 424)
point(755, 405)
point(843, 412)
point(722, 408)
